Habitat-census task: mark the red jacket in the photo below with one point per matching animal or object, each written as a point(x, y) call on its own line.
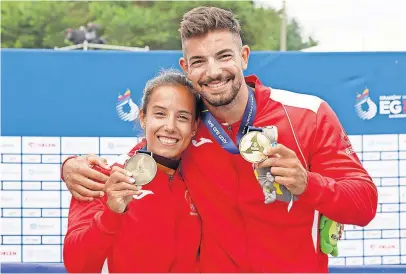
point(158, 233)
point(240, 233)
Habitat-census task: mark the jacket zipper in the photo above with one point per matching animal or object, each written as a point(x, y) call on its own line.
point(231, 134)
point(170, 179)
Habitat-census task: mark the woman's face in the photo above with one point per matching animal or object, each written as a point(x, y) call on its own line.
point(169, 121)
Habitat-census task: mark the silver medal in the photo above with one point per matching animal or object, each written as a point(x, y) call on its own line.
point(143, 167)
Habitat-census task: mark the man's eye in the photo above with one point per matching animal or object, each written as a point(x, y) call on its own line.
point(159, 113)
point(184, 118)
point(225, 56)
point(197, 62)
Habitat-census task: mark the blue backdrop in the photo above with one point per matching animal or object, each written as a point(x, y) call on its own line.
point(75, 93)
point(55, 93)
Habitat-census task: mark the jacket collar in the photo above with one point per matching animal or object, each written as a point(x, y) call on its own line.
point(262, 93)
point(139, 146)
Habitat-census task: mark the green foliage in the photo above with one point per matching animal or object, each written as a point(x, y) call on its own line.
point(42, 24)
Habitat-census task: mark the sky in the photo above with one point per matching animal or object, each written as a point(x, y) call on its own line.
point(350, 24)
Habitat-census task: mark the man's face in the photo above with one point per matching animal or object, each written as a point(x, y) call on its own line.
point(214, 62)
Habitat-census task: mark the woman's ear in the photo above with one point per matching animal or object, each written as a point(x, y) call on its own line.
point(142, 119)
point(195, 126)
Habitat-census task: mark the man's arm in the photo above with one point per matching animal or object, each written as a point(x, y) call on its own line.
point(92, 227)
point(81, 179)
point(337, 184)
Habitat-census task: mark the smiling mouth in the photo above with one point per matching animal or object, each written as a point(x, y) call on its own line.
point(167, 141)
point(217, 84)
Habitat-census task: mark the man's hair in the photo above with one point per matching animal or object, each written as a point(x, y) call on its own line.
point(201, 20)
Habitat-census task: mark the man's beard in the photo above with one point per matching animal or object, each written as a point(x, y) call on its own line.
point(225, 98)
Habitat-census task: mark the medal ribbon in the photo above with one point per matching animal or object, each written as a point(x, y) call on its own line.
point(217, 131)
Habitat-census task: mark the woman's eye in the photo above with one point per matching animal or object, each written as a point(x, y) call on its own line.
point(185, 118)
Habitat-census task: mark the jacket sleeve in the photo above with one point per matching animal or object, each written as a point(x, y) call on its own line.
point(92, 227)
point(338, 186)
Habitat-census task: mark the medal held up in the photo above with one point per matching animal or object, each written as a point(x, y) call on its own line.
point(143, 167)
point(252, 147)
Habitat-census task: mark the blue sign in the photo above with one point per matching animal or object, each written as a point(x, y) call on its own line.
point(97, 93)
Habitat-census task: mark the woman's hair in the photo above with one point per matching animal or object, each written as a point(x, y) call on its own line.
point(169, 77)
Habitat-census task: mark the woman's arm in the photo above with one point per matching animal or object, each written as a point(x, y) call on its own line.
point(92, 227)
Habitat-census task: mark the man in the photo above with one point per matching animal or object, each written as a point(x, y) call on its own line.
point(314, 167)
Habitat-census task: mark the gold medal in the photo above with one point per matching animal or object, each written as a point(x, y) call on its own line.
point(253, 145)
point(143, 167)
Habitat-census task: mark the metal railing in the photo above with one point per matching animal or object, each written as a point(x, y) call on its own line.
point(86, 46)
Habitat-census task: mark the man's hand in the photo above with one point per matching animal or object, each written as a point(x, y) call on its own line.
point(120, 189)
point(80, 177)
point(286, 168)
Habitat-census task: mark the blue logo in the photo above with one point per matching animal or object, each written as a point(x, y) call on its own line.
point(127, 110)
point(364, 106)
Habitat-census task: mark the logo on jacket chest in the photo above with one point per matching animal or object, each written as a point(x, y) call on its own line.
point(143, 193)
point(201, 141)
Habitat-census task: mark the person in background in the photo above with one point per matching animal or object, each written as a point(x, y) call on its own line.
point(313, 168)
point(153, 229)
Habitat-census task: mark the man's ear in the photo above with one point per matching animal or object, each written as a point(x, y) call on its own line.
point(245, 54)
point(183, 65)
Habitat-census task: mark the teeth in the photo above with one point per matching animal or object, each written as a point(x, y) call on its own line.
point(167, 141)
point(217, 85)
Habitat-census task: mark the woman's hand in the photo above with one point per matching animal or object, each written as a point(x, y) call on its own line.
point(120, 189)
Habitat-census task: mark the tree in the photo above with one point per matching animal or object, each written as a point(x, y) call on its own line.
point(134, 23)
point(294, 41)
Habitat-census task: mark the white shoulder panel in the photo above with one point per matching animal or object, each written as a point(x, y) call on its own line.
point(293, 99)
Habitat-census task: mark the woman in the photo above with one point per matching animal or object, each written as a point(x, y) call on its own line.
point(153, 229)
